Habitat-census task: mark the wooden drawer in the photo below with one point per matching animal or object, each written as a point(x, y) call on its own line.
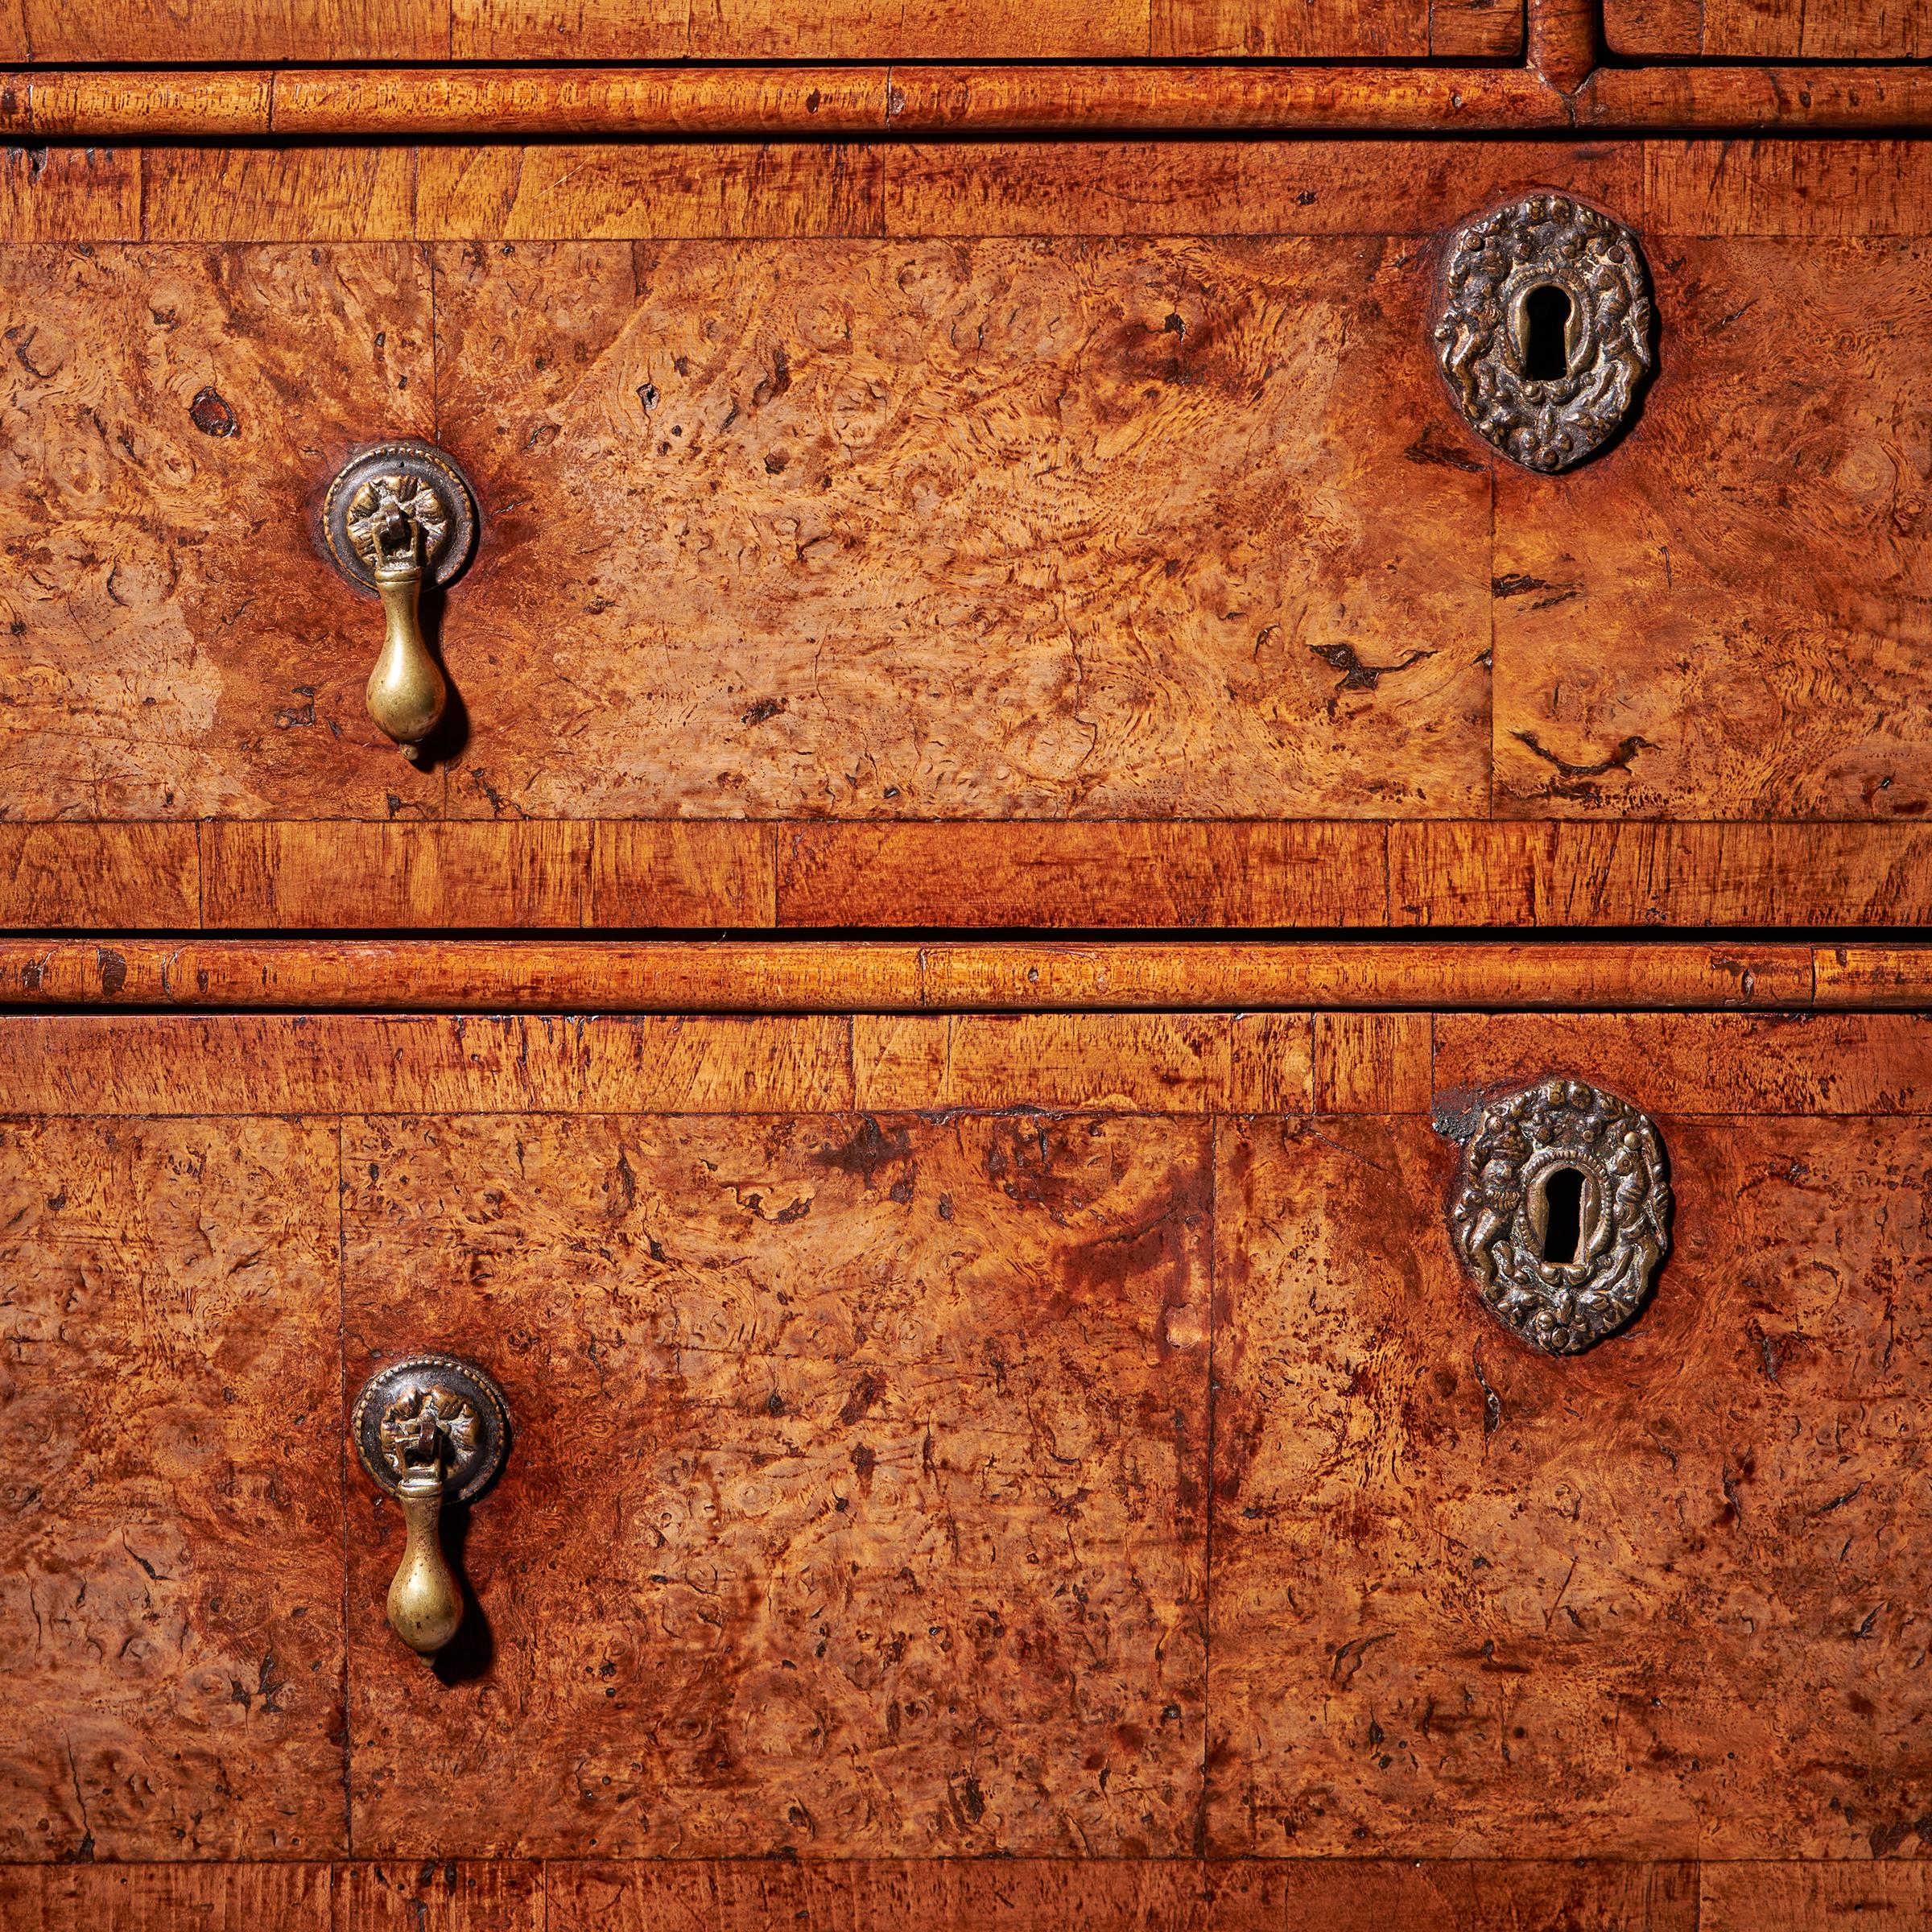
point(1036, 1438)
point(1078, 533)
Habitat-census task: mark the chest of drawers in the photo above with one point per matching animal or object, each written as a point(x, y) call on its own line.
point(1160, 1015)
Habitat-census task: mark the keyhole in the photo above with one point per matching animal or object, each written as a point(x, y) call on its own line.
point(1563, 1214)
point(1546, 334)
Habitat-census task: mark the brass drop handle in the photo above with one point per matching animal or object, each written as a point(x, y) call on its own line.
point(428, 1430)
point(395, 513)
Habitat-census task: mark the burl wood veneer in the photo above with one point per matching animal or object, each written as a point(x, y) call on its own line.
point(1087, 518)
point(1135, 1478)
point(1662, 1600)
point(860, 1492)
point(171, 1604)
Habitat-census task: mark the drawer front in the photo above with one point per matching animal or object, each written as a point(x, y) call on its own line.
point(1067, 1437)
point(1768, 30)
point(1074, 534)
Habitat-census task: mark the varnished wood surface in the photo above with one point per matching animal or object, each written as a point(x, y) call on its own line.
point(1007, 1895)
point(828, 976)
point(1769, 29)
point(1015, 1895)
point(349, 875)
point(53, 31)
point(766, 525)
point(1645, 1598)
point(574, 190)
point(170, 1609)
point(244, 1064)
point(859, 1502)
point(910, 99)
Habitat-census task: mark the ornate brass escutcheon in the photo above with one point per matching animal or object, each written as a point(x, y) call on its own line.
point(395, 513)
point(429, 1429)
point(1562, 1211)
point(1545, 329)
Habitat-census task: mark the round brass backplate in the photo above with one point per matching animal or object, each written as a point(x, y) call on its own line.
point(468, 1412)
point(404, 472)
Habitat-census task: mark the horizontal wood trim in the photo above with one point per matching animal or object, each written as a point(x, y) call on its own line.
point(1084, 874)
point(523, 873)
point(914, 99)
point(965, 1895)
point(72, 1064)
point(612, 875)
point(1524, 873)
point(815, 976)
point(1721, 1063)
point(127, 876)
point(252, 1064)
point(306, 189)
point(1108, 1063)
point(1049, 1895)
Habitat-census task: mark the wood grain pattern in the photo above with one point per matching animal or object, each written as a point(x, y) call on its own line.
point(1723, 618)
point(440, 1895)
point(1823, 1064)
point(161, 1897)
point(1373, 1063)
point(1050, 1894)
point(70, 194)
point(1286, 30)
point(1113, 1062)
point(1211, 187)
point(1084, 875)
point(1876, 975)
point(947, 1895)
point(801, 30)
point(91, 104)
point(169, 644)
point(211, 1064)
point(858, 1494)
point(1654, 874)
point(849, 975)
point(555, 872)
point(1475, 30)
point(1309, 875)
point(1191, 98)
point(1659, 1598)
point(670, 190)
point(992, 531)
point(1799, 189)
point(106, 876)
point(211, 31)
point(502, 103)
point(499, 104)
point(1784, 186)
point(93, 30)
point(1751, 100)
point(1770, 30)
point(169, 1418)
point(287, 193)
point(1878, 1895)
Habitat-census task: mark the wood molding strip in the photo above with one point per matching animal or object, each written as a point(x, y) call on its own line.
point(237, 1064)
point(497, 875)
point(921, 99)
point(992, 976)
